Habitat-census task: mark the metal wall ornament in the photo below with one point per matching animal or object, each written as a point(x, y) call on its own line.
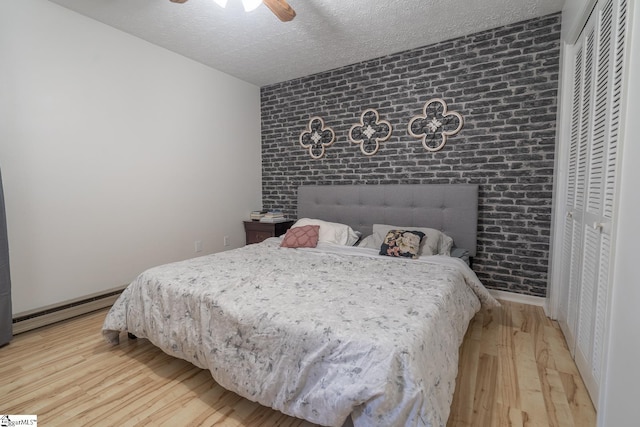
point(435, 125)
point(317, 137)
point(370, 132)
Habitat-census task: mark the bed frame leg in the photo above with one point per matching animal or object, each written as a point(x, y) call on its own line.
point(131, 336)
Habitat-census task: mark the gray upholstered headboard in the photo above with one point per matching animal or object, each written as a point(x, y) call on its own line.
point(451, 208)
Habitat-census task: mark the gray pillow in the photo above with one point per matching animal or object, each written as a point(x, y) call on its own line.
point(463, 254)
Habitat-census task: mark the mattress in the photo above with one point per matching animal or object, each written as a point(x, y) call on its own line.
point(321, 333)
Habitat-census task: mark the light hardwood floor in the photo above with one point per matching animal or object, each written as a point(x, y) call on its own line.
point(515, 370)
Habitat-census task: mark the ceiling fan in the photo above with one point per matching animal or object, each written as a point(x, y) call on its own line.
point(280, 8)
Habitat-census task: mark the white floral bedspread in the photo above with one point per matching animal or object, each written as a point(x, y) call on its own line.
point(315, 333)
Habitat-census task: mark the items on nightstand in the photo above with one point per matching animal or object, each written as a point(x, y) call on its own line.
point(257, 215)
point(273, 216)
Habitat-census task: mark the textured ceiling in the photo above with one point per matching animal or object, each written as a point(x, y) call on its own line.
point(326, 34)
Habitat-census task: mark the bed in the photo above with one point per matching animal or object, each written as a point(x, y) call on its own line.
point(329, 333)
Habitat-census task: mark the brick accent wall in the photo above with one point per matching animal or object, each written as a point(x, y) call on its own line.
point(504, 83)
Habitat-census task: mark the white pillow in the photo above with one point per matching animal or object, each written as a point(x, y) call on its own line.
point(434, 243)
point(369, 242)
point(331, 232)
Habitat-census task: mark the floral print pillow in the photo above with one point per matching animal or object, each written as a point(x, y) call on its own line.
point(402, 243)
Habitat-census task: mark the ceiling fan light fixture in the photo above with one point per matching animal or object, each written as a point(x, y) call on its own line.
point(280, 8)
point(250, 5)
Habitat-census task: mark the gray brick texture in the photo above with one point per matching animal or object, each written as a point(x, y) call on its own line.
point(503, 82)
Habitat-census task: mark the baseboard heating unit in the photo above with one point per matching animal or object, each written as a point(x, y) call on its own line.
point(45, 316)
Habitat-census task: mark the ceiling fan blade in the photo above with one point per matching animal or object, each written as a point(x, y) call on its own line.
point(281, 9)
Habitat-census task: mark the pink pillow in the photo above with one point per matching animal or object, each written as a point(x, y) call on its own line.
point(301, 237)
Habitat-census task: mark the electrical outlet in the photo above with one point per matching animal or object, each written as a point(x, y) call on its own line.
point(198, 245)
point(226, 241)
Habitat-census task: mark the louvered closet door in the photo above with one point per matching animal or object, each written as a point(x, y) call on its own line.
point(590, 193)
point(572, 234)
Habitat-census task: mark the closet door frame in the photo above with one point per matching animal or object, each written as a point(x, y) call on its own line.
point(558, 296)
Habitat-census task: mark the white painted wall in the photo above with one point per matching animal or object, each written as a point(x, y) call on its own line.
point(116, 155)
point(619, 402)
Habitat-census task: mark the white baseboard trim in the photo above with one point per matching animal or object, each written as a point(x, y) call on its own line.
point(520, 298)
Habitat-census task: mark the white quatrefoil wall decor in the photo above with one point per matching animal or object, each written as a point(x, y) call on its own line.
point(435, 125)
point(370, 132)
point(316, 138)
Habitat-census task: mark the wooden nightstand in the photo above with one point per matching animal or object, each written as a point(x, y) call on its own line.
point(257, 231)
